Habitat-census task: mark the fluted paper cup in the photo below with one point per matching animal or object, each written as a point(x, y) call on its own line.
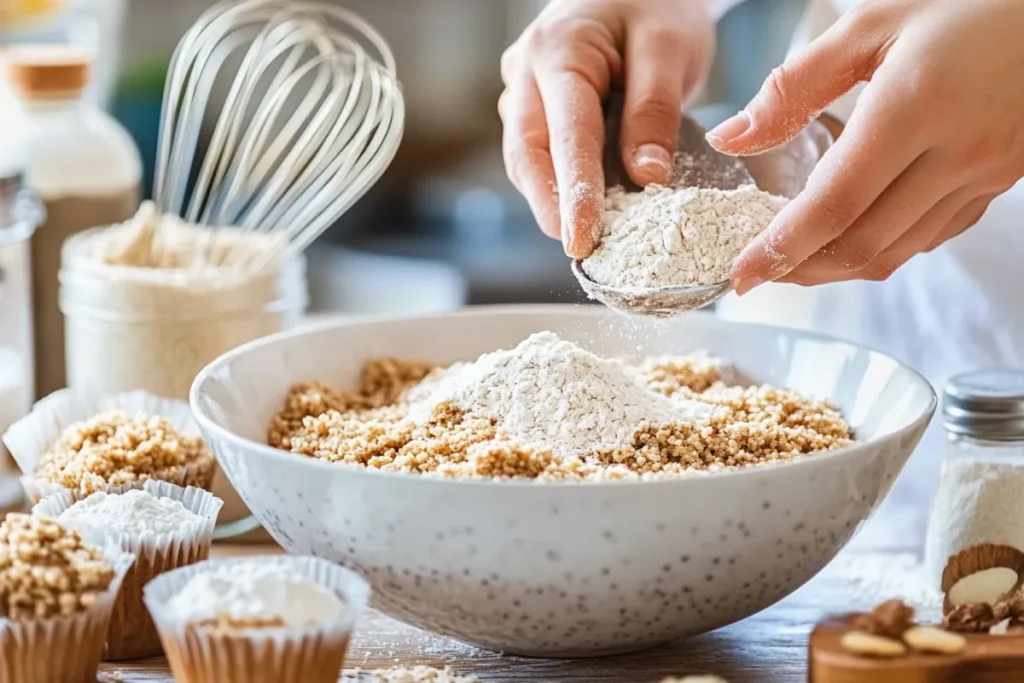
point(132, 633)
point(62, 649)
point(30, 437)
point(204, 654)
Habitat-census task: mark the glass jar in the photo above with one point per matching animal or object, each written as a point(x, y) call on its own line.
point(154, 329)
point(980, 497)
point(19, 216)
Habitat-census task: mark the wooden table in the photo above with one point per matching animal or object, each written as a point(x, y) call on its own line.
point(770, 647)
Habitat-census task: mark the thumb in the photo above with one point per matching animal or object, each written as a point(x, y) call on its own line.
point(805, 85)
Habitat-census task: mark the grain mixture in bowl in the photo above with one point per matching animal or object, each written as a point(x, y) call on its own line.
point(114, 448)
point(47, 570)
point(551, 410)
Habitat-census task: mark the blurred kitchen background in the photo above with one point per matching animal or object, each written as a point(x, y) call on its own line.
point(444, 227)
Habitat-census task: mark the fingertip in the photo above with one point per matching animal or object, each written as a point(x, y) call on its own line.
point(650, 163)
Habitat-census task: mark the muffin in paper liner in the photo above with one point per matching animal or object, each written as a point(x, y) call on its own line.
point(210, 654)
point(132, 633)
point(28, 438)
point(62, 649)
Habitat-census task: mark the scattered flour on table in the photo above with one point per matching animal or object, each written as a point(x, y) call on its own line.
point(873, 579)
point(551, 392)
point(676, 236)
point(133, 512)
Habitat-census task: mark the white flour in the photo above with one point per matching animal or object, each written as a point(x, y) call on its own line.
point(870, 580)
point(137, 317)
point(977, 501)
point(134, 512)
point(664, 236)
point(552, 393)
point(252, 591)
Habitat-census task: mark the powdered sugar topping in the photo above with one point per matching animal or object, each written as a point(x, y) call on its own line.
point(254, 592)
point(134, 512)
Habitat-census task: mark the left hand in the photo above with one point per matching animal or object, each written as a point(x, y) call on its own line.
point(936, 135)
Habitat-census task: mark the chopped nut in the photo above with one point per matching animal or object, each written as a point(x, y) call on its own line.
point(420, 674)
point(972, 618)
point(369, 428)
point(889, 619)
point(983, 573)
point(869, 645)
point(47, 570)
point(115, 448)
point(934, 640)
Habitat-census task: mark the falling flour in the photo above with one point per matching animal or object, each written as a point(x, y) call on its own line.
point(550, 392)
point(676, 236)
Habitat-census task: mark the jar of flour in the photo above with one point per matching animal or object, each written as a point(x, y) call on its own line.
point(980, 498)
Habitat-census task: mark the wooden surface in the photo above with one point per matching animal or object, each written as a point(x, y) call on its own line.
point(985, 659)
point(770, 647)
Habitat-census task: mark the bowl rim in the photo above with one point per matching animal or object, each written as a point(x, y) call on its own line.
point(208, 424)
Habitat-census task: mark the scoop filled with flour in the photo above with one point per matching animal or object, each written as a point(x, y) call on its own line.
point(667, 236)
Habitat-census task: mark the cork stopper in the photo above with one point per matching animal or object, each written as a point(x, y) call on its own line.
point(46, 71)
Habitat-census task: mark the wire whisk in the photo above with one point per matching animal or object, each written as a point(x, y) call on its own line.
point(312, 118)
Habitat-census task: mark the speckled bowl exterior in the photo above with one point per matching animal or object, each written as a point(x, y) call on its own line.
point(567, 569)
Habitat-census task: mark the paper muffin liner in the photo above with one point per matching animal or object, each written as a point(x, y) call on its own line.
point(28, 438)
point(62, 649)
point(313, 654)
point(132, 633)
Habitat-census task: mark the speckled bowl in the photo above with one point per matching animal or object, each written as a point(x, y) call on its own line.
point(566, 569)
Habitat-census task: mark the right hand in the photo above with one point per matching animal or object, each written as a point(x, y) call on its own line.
point(556, 76)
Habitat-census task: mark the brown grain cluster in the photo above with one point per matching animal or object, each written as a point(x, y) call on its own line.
point(114, 448)
point(47, 570)
point(370, 428)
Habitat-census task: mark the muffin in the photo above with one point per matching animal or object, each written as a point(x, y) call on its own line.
point(57, 592)
point(164, 526)
point(84, 443)
point(257, 620)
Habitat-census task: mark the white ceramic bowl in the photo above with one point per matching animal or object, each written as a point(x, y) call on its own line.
point(566, 569)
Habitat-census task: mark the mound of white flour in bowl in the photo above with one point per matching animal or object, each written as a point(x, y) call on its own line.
point(550, 392)
point(676, 236)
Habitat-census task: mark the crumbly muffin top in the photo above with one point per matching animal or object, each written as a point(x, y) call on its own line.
point(47, 570)
point(114, 448)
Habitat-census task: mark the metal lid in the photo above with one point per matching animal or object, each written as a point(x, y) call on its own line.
point(986, 404)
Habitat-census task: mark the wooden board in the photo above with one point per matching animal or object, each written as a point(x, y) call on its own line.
point(770, 647)
point(986, 659)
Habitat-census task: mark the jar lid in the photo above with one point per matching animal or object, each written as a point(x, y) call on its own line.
point(986, 404)
point(47, 71)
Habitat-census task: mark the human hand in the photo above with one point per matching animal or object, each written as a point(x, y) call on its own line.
point(936, 135)
point(556, 76)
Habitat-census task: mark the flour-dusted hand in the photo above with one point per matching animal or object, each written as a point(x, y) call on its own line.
point(556, 76)
point(937, 134)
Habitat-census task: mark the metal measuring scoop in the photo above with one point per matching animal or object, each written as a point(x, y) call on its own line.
point(783, 171)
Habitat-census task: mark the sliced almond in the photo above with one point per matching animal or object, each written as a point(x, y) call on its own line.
point(984, 573)
point(934, 640)
point(1000, 629)
point(863, 643)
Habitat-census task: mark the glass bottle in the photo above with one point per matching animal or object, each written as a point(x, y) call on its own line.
point(980, 497)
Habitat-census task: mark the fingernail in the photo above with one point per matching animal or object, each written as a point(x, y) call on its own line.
point(730, 129)
point(653, 160)
point(567, 243)
point(747, 283)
